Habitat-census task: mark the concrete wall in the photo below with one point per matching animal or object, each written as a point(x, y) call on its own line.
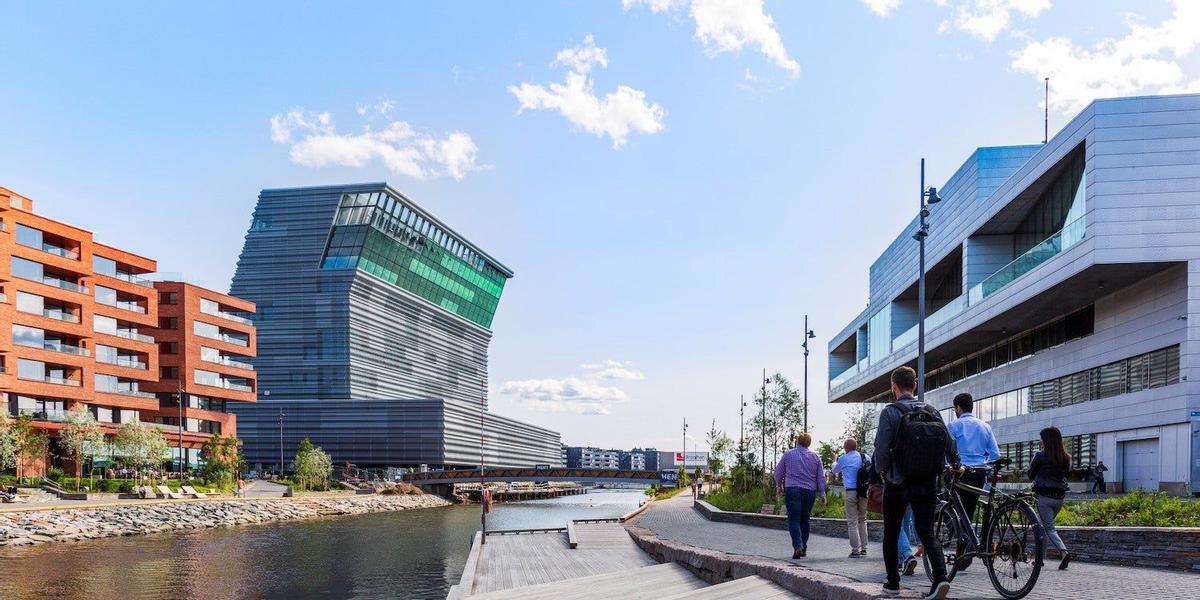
point(983, 255)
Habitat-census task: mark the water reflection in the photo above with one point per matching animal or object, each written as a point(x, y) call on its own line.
point(413, 554)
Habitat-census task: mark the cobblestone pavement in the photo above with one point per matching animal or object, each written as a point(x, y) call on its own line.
point(675, 519)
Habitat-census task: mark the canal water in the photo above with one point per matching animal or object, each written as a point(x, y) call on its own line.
point(408, 554)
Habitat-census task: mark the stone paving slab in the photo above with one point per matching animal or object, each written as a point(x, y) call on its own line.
point(676, 520)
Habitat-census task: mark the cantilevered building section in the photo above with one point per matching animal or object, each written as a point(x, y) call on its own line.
point(1063, 288)
point(364, 296)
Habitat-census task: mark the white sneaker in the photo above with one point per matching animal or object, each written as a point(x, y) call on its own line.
point(938, 591)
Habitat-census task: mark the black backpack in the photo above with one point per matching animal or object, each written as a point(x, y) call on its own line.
point(919, 446)
point(866, 476)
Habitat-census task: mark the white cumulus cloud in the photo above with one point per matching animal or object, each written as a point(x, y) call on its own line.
point(589, 394)
point(617, 114)
point(882, 8)
point(314, 141)
point(728, 26)
point(1147, 59)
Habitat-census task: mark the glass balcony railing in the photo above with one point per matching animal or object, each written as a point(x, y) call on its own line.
point(54, 346)
point(844, 376)
point(226, 384)
point(125, 305)
point(60, 315)
point(60, 251)
point(55, 416)
point(131, 278)
point(50, 379)
point(229, 339)
point(228, 315)
point(64, 284)
point(1052, 246)
point(932, 321)
point(122, 361)
point(130, 334)
point(229, 362)
point(125, 392)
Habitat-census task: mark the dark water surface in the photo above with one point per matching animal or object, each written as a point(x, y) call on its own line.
point(408, 554)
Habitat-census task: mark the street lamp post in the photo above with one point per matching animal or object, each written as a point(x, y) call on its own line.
point(742, 427)
point(763, 427)
point(927, 198)
point(281, 443)
point(808, 335)
point(181, 451)
point(483, 501)
point(683, 462)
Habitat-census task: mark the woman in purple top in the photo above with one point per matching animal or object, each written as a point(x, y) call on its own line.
point(802, 478)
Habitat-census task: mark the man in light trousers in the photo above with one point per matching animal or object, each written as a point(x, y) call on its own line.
point(849, 465)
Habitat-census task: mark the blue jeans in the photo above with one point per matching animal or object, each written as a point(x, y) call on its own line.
point(799, 503)
point(907, 534)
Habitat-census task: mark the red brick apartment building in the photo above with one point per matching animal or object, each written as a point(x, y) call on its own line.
point(80, 324)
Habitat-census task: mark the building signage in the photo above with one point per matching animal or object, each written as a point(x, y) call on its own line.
point(668, 477)
point(691, 459)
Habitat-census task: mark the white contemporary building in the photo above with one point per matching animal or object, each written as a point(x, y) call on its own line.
point(1063, 288)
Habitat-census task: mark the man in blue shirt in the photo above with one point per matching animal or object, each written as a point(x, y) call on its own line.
point(976, 448)
point(848, 465)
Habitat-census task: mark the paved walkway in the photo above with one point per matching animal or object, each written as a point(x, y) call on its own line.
point(675, 519)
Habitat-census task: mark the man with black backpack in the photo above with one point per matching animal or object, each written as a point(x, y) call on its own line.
point(912, 448)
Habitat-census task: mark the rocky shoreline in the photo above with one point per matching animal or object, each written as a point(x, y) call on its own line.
point(27, 528)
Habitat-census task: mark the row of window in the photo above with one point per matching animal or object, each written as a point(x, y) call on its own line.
point(190, 424)
point(1082, 449)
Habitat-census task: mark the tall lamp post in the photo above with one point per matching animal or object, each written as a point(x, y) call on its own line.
point(182, 452)
point(742, 427)
point(808, 335)
point(483, 501)
point(927, 197)
point(683, 461)
point(763, 427)
point(281, 442)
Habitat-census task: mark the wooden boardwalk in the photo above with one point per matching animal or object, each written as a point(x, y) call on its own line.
point(520, 560)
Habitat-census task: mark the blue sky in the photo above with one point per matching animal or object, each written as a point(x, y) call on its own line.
point(749, 165)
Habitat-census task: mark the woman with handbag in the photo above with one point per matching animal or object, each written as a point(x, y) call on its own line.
point(1049, 470)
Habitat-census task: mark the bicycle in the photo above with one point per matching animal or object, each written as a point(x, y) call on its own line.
point(1011, 531)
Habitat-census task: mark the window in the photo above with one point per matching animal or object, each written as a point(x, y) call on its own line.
point(103, 324)
point(107, 354)
point(209, 307)
point(28, 336)
point(106, 296)
point(104, 266)
point(168, 322)
point(30, 303)
point(27, 269)
point(28, 236)
point(210, 354)
point(31, 369)
point(168, 372)
point(103, 414)
point(168, 347)
point(206, 329)
point(168, 298)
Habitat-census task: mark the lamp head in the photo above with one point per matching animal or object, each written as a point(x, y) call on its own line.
point(933, 196)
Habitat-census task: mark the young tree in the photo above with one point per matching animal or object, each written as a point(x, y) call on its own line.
point(140, 446)
point(8, 444)
point(222, 460)
point(860, 422)
point(312, 465)
point(720, 448)
point(79, 438)
point(828, 453)
point(31, 444)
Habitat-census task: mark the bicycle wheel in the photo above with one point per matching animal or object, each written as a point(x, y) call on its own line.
point(945, 529)
point(1015, 544)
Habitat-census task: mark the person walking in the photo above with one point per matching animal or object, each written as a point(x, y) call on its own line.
point(1049, 470)
point(1099, 483)
point(802, 478)
point(976, 446)
point(912, 448)
point(908, 561)
point(850, 466)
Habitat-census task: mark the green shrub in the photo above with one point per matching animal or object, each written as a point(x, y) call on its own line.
point(1136, 509)
point(55, 474)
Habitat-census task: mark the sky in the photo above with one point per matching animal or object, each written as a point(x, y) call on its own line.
point(676, 183)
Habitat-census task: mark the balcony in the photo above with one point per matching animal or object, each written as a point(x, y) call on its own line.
point(60, 315)
point(50, 249)
point(55, 346)
point(50, 379)
point(226, 384)
point(933, 321)
point(123, 361)
point(229, 362)
point(64, 284)
point(125, 305)
point(228, 339)
point(1052, 246)
point(227, 315)
point(125, 392)
point(130, 334)
point(53, 416)
point(131, 278)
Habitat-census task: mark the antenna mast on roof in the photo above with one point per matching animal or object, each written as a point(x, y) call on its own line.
point(1046, 118)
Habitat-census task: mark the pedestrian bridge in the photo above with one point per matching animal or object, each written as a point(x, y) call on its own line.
point(494, 475)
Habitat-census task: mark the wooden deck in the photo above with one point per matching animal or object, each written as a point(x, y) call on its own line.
point(521, 560)
point(645, 583)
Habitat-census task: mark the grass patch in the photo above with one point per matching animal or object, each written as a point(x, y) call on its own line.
point(1136, 509)
point(752, 501)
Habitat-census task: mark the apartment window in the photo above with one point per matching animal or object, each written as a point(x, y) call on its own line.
point(40, 407)
point(168, 322)
point(168, 298)
point(106, 296)
point(209, 307)
point(103, 324)
point(207, 378)
point(103, 414)
point(31, 369)
point(104, 266)
point(210, 354)
point(168, 347)
point(168, 372)
point(206, 329)
point(30, 303)
point(28, 236)
point(27, 269)
point(107, 354)
point(28, 336)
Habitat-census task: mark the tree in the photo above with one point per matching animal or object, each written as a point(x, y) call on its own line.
point(312, 466)
point(720, 448)
point(861, 421)
point(80, 436)
point(828, 453)
point(140, 446)
point(31, 444)
point(8, 444)
point(222, 460)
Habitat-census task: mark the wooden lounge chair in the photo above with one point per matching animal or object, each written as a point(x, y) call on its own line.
point(166, 492)
point(191, 491)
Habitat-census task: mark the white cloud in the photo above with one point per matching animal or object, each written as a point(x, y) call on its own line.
point(882, 8)
point(729, 25)
point(587, 394)
point(984, 19)
point(315, 142)
point(382, 107)
point(616, 115)
point(613, 369)
point(1146, 60)
point(569, 394)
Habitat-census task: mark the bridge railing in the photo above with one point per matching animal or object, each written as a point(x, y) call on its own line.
point(503, 474)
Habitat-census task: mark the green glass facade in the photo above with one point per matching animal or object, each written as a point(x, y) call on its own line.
point(382, 235)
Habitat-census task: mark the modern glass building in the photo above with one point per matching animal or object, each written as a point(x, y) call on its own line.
point(1063, 288)
point(363, 296)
